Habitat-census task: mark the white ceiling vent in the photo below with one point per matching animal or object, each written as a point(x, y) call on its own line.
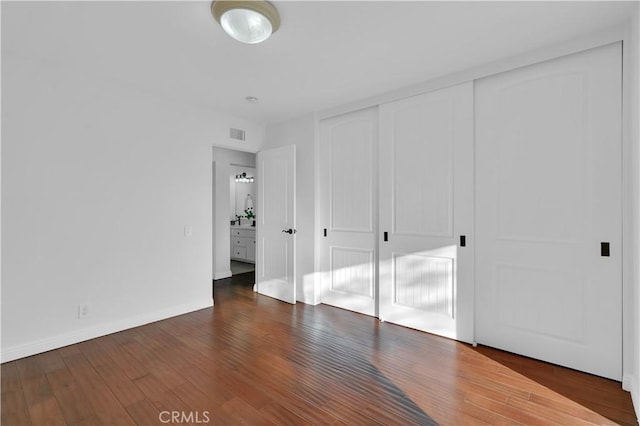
point(237, 134)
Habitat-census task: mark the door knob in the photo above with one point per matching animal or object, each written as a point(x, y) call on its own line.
point(289, 231)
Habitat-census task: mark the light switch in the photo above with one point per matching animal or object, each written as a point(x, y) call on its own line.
point(188, 230)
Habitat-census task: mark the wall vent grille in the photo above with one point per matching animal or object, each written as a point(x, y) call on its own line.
point(237, 134)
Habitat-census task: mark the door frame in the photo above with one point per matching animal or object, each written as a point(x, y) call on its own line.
point(215, 163)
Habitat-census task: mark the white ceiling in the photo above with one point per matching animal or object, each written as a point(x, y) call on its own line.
point(325, 53)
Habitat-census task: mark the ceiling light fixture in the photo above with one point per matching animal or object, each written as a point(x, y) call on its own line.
point(252, 99)
point(251, 21)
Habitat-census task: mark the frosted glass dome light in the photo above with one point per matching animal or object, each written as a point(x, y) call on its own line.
point(247, 21)
point(246, 25)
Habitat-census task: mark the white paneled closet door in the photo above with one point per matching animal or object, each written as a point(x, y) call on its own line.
point(548, 161)
point(426, 212)
point(348, 158)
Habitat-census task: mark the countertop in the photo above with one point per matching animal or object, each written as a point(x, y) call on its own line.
point(243, 227)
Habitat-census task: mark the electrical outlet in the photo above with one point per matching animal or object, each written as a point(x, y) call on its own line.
point(83, 311)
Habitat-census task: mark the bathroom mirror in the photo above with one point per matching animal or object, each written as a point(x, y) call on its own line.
point(243, 192)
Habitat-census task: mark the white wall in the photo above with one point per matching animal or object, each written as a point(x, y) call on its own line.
point(631, 107)
point(301, 132)
point(98, 183)
point(224, 165)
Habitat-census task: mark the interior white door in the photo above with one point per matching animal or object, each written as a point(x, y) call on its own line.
point(275, 247)
point(348, 145)
point(426, 211)
point(548, 162)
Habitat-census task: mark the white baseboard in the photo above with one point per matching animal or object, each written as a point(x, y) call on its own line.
point(221, 275)
point(627, 382)
point(631, 384)
point(301, 300)
point(635, 398)
point(99, 330)
point(308, 302)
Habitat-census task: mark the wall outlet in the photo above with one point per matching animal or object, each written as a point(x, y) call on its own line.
point(188, 230)
point(83, 311)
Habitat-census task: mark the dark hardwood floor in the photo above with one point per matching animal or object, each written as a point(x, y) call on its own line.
point(254, 360)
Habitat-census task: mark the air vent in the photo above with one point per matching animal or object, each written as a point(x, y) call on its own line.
point(237, 134)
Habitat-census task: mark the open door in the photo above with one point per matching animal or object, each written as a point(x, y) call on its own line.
point(275, 247)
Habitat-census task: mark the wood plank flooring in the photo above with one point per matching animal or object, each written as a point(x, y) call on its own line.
point(254, 360)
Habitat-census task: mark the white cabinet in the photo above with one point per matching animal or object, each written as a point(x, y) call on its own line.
point(243, 245)
point(251, 249)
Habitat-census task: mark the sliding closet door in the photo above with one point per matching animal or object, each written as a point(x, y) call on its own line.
point(426, 212)
point(548, 161)
point(348, 152)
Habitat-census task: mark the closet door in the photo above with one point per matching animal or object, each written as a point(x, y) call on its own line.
point(348, 151)
point(548, 161)
point(426, 212)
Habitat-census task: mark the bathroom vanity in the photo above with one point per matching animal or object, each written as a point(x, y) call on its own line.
point(243, 243)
